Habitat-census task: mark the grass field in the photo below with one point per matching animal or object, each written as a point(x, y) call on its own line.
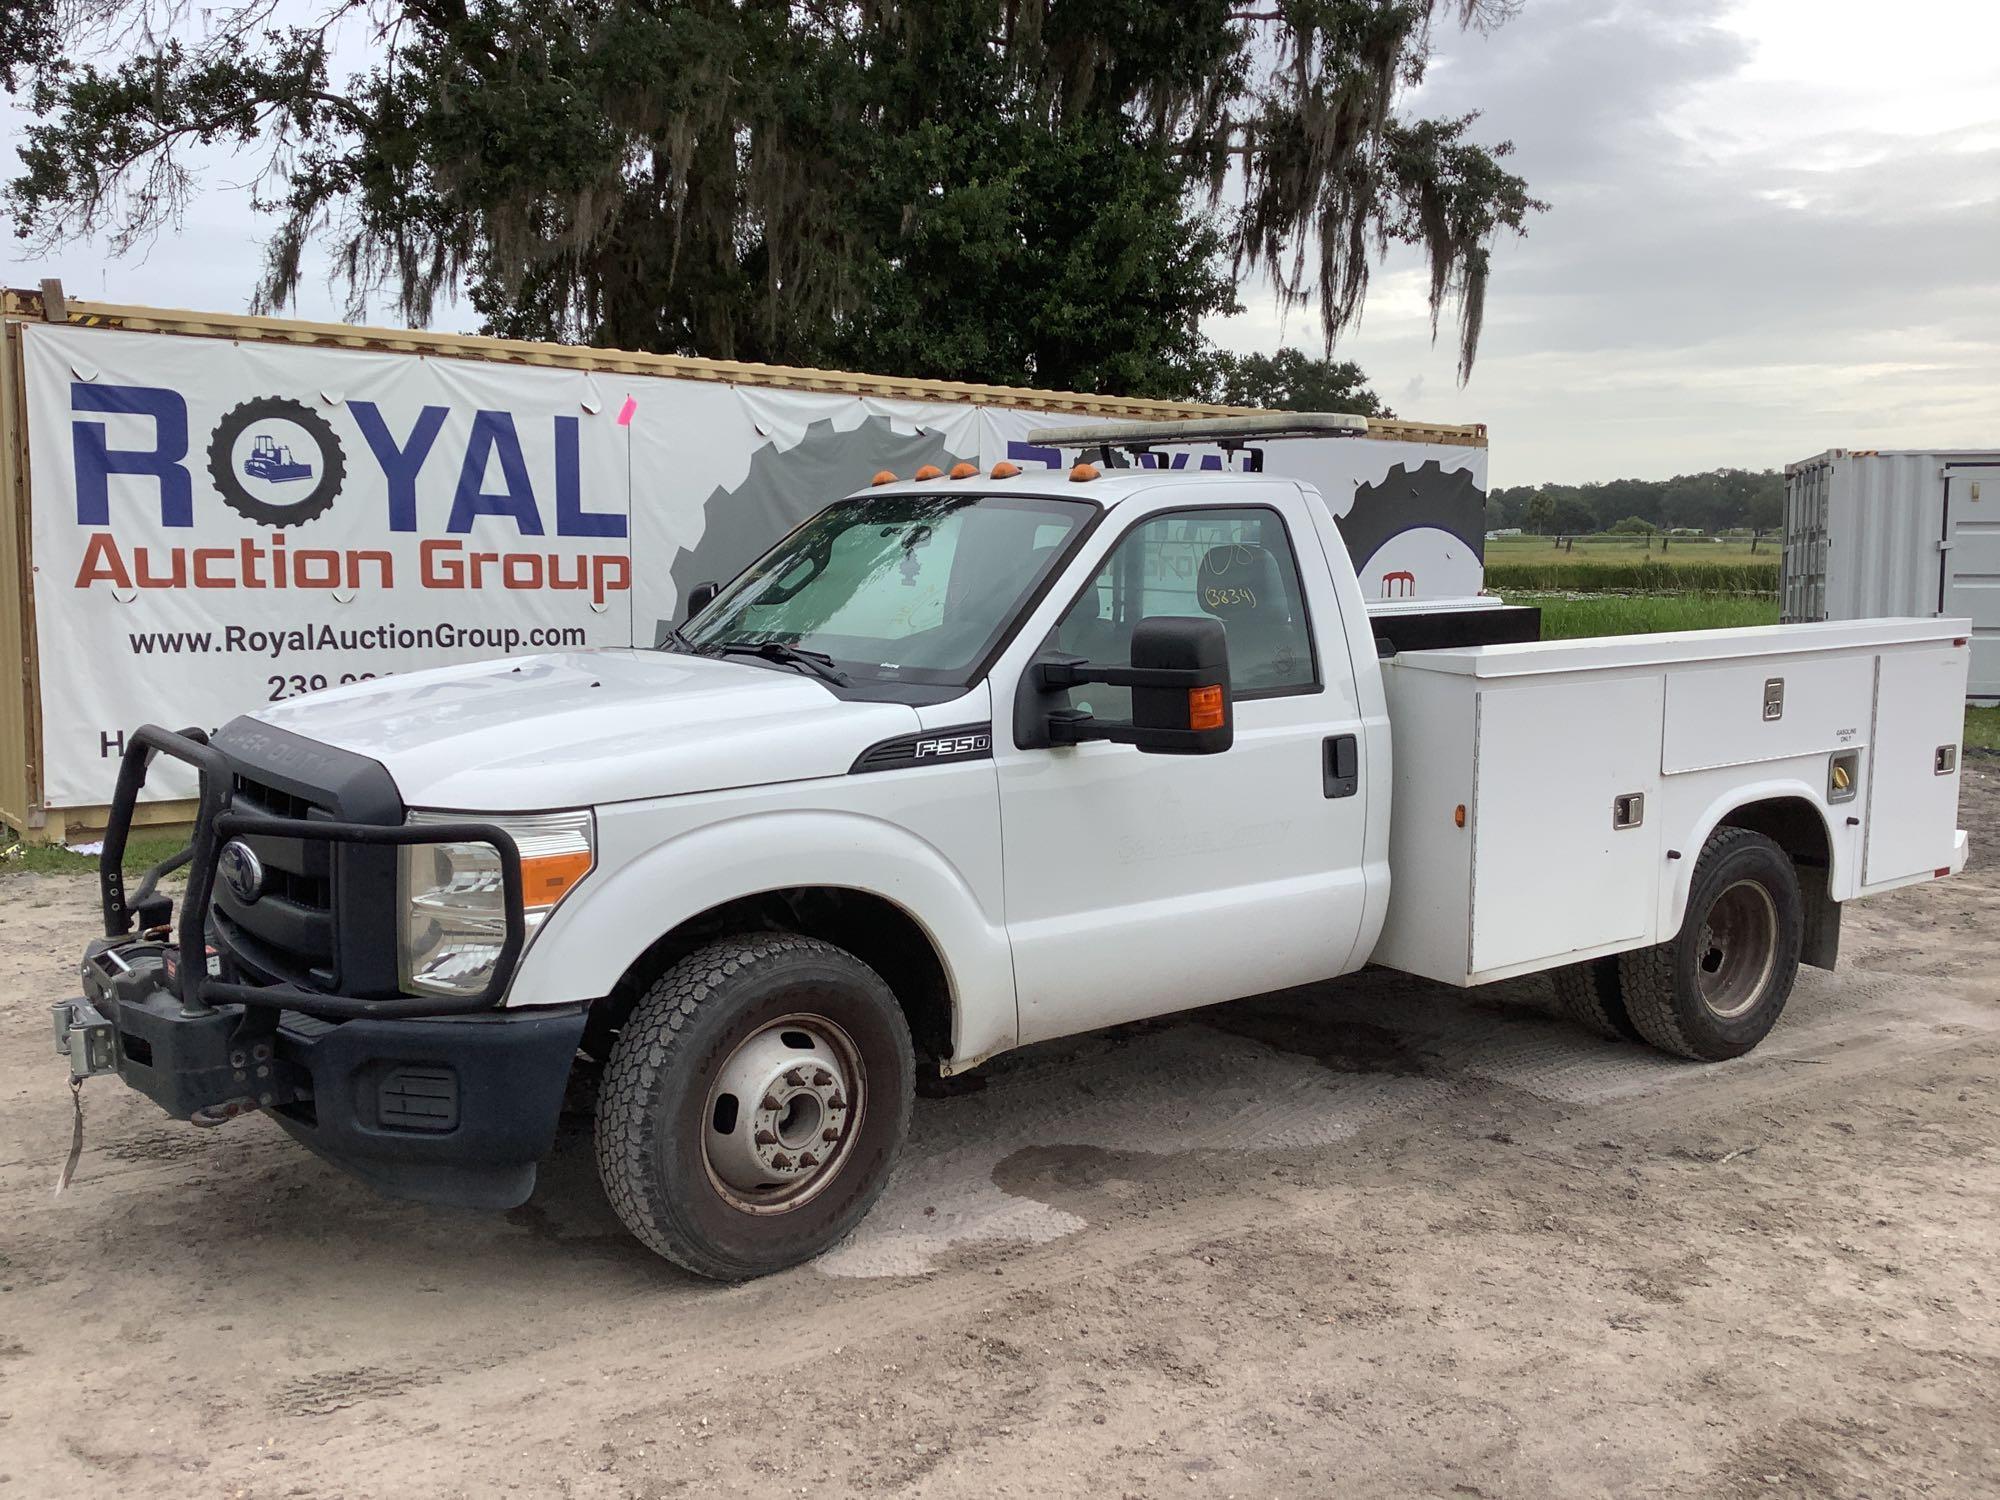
point(1568, 614)
point(142, 852)
point(1587, 549)
point(1604, 563)
point(1982, 729)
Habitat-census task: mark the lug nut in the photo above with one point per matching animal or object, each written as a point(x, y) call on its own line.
point(821, 1078)
point(807, 1159)
point(770, 1101)
point(829, 1135)
point(782, 1162)
point(795, 1078)
point(766, 1138)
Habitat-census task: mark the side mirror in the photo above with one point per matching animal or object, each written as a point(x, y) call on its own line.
point(1179, 678)
point(700, 597)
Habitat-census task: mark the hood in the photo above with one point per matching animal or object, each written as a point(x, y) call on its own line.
point(588, 727)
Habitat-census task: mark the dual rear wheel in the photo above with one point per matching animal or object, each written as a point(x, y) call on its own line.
point(1716, 990)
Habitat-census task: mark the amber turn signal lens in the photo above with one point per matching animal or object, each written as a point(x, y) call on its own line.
point(1458, 815)
point(1005, 470)
point(929, 471)
point(546, 878)
point(964, 471)
point(885, 477)
point(1083, 472)
point(1205, 707)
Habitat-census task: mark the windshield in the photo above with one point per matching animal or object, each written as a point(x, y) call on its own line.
point(910, 589)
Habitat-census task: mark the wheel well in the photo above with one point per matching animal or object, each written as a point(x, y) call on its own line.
point(876, 931)
point(1793, 824)
point(1796, 826)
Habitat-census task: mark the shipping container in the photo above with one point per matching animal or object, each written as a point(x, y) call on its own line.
point(1873, 532)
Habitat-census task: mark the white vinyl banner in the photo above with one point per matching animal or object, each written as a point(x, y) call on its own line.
point(220, 525)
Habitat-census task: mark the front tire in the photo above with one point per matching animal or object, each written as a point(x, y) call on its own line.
point(1718, 988)
point(755, 1104)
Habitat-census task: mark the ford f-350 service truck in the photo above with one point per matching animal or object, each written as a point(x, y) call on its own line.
point(960, 764)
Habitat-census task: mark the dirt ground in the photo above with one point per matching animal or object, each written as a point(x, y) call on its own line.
point(1373, 1239)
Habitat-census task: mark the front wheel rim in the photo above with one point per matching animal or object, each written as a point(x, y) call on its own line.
point(783, 1114)
point(1738, 950)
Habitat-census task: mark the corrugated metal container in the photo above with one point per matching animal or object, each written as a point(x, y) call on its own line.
point(1872, 533)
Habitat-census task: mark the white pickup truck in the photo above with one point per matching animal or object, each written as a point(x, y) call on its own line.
point(961, 764)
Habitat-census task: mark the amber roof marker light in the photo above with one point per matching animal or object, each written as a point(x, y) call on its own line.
point(1005, 470)
point(1083, 473)
point(928, 471)
point(884, 477)
point(964, 471)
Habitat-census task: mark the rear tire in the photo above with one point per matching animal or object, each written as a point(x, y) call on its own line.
point(1718, 988)
point(1592, 995)
point(754, 1104)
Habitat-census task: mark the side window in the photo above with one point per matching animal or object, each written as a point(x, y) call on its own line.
point(1235, 565)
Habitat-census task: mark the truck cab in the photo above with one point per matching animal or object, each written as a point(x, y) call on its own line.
point(962, 763)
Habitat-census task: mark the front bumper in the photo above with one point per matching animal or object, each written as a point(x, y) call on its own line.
point(445, 1099)
point(453, 1110)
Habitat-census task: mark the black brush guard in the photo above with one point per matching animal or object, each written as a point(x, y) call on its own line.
point(215, 824)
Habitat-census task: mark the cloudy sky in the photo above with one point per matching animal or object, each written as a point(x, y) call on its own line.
point(1775, 228)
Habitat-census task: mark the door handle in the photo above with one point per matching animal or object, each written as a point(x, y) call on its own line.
point(1340, 764)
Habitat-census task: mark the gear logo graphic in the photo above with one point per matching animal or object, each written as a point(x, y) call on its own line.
point(1426, 498)
point(276, 461)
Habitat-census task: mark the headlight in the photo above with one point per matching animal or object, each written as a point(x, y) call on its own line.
point(454, 906)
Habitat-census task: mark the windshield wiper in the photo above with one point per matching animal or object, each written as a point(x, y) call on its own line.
point(817, 662)
point(678, 637)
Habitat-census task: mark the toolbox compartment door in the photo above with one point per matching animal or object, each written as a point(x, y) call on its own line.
point(1551, 872)
point(1912, 803)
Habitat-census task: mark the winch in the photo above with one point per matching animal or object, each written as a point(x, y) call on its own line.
point(201, 1063)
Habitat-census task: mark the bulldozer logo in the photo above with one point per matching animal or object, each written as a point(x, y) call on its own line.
point(265, 455)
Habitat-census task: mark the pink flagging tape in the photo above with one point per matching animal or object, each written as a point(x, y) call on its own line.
point(625, 412)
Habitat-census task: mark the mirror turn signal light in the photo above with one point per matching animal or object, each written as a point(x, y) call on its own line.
point(928, 471)
point(964, 471)
point(1005, 470)
point(1083, 472)
point(885, 477)
point(1205, 707)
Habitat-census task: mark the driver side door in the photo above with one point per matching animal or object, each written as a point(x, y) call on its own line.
point(1138, 884)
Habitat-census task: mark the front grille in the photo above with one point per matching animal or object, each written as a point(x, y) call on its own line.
point(269, 801)
point(288, 931)
point(325, 918)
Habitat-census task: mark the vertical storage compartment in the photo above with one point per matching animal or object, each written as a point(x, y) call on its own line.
point(1912, 795)
point(1561, 858)
point(1558, 848)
